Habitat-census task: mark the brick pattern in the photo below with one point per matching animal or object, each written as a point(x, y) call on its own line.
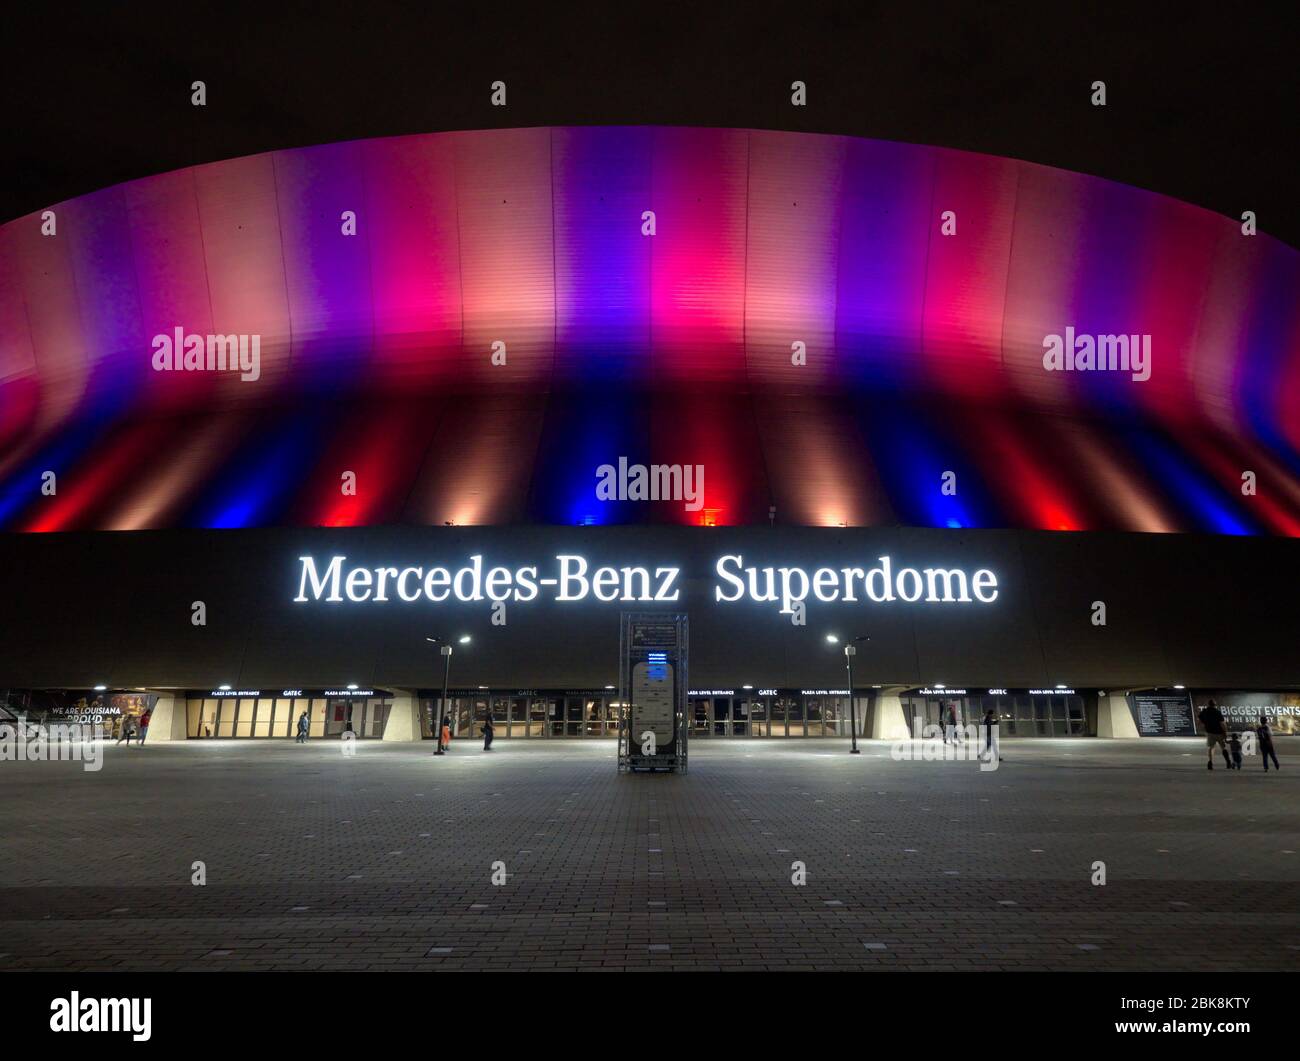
point(384, 860)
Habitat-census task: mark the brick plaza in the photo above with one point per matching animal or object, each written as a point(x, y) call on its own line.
point(384, 860)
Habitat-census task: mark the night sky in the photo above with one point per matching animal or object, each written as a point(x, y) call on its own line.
point(1202, 99)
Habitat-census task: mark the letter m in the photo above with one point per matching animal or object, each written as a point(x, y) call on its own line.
point(332, 573)
point(1112, 352)
point(934, 574)
point(223, 351)
point(669, 482)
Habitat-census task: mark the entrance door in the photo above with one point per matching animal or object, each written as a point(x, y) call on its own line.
point(573, 716)
point(722, 716)
point(537, 717)
point(776, 724)
point(814, 708)
point(338, 718)
point(518, 706)
point(759, 725)
point(700, 717)
point(740, 717)
point(794, 717)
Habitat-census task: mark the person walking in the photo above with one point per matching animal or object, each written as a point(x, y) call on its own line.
point(144, 726)
point(952, 722)
point(445, 735)
point(1215, 733)
point(302, 728)
point(127, 731)
point(990, 721)
point(487, 734)
point(1264, 737)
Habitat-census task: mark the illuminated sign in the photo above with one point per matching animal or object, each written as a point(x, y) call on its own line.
point(573, 579)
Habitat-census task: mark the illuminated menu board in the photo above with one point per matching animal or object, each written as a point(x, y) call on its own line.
point(1164, 714)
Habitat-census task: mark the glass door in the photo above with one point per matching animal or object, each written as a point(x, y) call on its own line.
point(700, 708)
point(794, 717)
point(740, 717)
point(722, 716)
point(338, 718)
point(500, 716)
point(759, 725)
point(593, 714)
point(814, 710)
point(776, 725)
point(573, 716)
point(537, 717)
point(518, 716)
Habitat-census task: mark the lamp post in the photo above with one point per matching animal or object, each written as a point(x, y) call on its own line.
point(445, 650)
point(850, 650)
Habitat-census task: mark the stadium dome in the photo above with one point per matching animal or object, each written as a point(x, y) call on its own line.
point(841, 332)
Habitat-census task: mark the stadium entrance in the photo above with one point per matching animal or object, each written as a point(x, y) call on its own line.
point(594, 713)
point(1057, 712)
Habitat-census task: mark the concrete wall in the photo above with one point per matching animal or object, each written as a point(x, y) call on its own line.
point(403, 717)
point(168, 719)
point(1114, 719)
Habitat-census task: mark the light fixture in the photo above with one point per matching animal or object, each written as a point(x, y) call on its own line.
point(482, 686)
point(609, 687)
point(1176, 687)
point(939, 685)
point(747, 687)
point(223, 688)
point(100, 688)
point(832, 639)
point(352, 685)
point(1059, 685)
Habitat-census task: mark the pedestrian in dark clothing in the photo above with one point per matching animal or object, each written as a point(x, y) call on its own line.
point(952, 724)
point(1215, 733)
point(990, 721)
point(303, 724)
point(144, 727)
point(1264, 735)
point(487, 734)
point(1234, 745)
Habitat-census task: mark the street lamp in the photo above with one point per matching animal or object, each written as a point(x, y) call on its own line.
point(445, 650)
point(850, 650)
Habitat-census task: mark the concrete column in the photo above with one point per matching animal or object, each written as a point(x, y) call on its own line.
point(888, 721)
point(167, 722)
point(1114, 719)
point(403, 717)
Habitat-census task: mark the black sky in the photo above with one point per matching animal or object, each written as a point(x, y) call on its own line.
point(1202, 98)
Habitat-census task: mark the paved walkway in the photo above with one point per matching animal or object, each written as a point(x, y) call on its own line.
point(385, 860)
